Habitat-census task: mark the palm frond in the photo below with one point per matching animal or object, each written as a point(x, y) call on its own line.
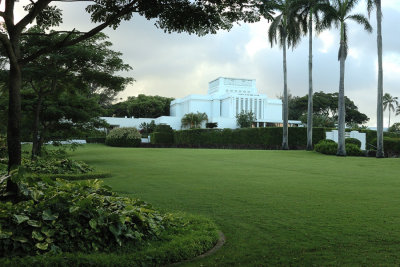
point(360, 19)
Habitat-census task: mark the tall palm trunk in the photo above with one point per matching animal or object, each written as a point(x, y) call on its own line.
point(310, 87)
point(379, 132)
point(341, 105)
point(285, 141)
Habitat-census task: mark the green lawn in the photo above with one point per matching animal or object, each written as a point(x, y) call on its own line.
point(274, 207)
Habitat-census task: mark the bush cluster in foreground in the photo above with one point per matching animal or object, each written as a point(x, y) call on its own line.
point(329, 147)
point(62, 216)
point(124, 137)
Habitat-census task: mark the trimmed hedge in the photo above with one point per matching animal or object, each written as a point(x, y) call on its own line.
point(162, 138)
point(391, 146)
point(268, 138)
point(124, 137)
point(163, 134)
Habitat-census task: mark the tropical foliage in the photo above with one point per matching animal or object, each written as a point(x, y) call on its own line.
point(194, 120)
point(73, 216)
point(245, 119)
point(390, 103)
point(124, 137)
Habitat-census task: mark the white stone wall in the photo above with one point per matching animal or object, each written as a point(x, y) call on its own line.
point(334, 135)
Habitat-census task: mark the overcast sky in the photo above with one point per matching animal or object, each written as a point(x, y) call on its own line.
point(175, 65)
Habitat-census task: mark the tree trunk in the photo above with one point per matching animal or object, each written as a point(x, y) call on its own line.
point(285, 141)
point(35, 128)
point(389, 117)
point(341, 105)
point(310, 87)
point(379, 131)
point(14, 117)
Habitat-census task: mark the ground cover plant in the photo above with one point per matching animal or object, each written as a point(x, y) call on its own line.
point(274, 207)
point(86, 223)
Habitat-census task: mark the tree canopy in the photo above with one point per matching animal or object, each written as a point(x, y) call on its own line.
point(325, 105)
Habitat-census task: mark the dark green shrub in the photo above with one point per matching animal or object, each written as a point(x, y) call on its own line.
point(163, 128)
point(124, 137)
point(73, 217)
point(328, 147)
point(270, 137)
point(162, 138)
point(353, 141)
point(211, 125)
point(353, 150)
point(391, 146)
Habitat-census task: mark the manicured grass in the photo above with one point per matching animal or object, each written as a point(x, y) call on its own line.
point(274, 207)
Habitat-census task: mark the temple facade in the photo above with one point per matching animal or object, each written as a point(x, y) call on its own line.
point(226, 98)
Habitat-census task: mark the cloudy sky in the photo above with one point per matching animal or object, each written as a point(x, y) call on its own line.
point(176, 65)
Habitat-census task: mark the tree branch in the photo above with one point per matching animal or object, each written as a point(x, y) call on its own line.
point(126, 10)
point(52, 33)
point(37, 8)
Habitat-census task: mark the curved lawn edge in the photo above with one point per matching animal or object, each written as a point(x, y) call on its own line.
point(193, 237)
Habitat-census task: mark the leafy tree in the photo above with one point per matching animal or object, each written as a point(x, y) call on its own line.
point(245, 119)
point(194, 120)
point(339, 16)
point(147, 128)
point(326, 105)
point(285, 30)
point(309, 12)
point(320, 120)
point(198, 17)
point(395, 128)
point(144, 106)
point(379, 114)
point(67, 88)
point(389, 102)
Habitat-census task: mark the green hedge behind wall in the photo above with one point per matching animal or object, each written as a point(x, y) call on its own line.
point(270, 137)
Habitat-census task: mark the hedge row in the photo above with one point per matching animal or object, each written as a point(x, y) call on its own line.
point(270, 137)
point(391, 146)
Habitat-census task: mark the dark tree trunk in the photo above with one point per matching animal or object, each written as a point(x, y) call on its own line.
point(14, 117)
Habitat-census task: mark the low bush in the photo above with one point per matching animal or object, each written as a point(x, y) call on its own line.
point(391, 146)
point(329, 147)
point(61, 216)
point(54, 165)
point(353, 141)
point(124, 137)
point(163, 128)
point(353, 150)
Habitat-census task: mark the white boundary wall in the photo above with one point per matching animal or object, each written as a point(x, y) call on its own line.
point(334, 135)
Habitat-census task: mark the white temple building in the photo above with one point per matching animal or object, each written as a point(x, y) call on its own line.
point(226, 98)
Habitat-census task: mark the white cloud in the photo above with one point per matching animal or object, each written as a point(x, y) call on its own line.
point(327, 39)
point(258, 38)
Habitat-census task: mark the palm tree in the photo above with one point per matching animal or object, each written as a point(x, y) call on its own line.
point(379, 114)
point(309, 12)
point(339, 17)
point(389, 102)
point(194, 120)
point(285, 30)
